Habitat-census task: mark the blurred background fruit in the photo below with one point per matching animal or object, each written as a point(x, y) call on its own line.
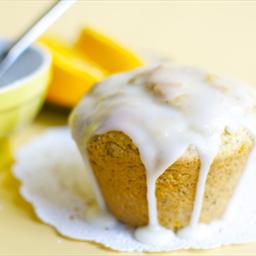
point(73, 75)
point(106, 52)
point(77, 67)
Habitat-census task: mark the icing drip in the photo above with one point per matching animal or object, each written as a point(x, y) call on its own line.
point(155, 235)
point(165, 110)
point(206, 162)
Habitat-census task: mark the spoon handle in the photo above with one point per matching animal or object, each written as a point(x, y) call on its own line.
point(16, 48)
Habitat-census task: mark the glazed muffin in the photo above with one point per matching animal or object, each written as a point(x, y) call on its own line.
point(167, 145)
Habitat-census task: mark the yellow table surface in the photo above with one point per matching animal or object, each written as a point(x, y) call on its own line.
point(21, 233)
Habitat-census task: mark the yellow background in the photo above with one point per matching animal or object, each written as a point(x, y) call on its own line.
point(217, 35)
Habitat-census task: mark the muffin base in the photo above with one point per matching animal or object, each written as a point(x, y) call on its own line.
point(121, 176)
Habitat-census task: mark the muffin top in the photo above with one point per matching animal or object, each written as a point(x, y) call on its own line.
point(167, 108)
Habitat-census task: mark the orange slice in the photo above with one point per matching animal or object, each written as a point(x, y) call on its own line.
point(106, 52)
point(73, 74)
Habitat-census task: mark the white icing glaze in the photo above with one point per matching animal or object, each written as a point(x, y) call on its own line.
point(154, 235)
point(164, 110)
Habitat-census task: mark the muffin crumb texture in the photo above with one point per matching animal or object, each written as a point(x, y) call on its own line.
point(121, 175)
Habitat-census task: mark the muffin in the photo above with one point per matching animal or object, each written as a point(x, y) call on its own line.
point(166, 145)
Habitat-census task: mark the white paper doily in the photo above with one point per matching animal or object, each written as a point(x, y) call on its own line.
point(53, 179)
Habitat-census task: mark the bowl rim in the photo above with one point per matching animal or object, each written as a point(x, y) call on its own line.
point(46, 62)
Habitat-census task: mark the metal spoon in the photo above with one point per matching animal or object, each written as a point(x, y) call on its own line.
point(17, 47)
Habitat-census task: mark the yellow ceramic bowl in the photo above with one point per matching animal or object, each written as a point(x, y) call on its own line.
point(23, 92)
